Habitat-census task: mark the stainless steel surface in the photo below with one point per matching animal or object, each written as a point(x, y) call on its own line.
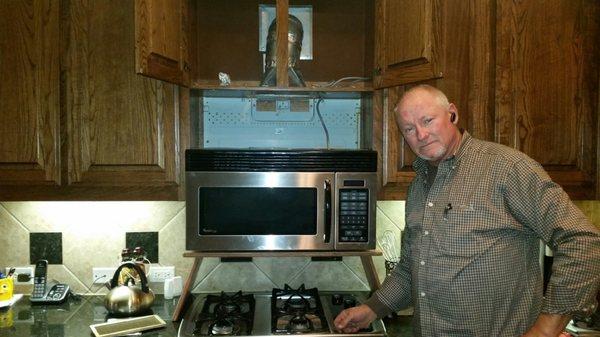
point(285, 200)
point(262, 318)
point(126, 300)
point(196, 241)
point(129, 299)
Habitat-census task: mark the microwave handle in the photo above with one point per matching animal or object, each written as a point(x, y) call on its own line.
point(328, 225)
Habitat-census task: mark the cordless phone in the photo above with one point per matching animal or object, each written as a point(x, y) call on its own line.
point(39, 279)
point(42, 293)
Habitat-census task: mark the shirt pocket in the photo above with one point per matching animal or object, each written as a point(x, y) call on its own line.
point(460, 231)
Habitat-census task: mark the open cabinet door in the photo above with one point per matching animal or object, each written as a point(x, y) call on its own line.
point(161, 46)
point(408, 41)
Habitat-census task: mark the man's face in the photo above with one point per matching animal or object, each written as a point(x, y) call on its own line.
point(426, 126)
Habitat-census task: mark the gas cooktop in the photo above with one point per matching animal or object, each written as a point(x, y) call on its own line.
point(298, 311)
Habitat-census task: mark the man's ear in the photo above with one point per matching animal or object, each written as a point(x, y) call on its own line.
point(453, 113)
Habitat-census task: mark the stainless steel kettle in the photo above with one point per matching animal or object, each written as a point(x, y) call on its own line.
point(129, 299)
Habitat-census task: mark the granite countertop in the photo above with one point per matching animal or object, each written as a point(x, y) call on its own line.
point(74, 317)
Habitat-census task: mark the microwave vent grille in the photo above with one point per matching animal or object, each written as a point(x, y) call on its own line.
point(207, 160)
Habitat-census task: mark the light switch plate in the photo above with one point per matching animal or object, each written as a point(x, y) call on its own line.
point(101, 275)
point(160, 273)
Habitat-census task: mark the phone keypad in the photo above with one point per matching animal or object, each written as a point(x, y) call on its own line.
point(39, 287)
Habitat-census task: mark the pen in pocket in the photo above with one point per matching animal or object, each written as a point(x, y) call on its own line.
point(446, 210)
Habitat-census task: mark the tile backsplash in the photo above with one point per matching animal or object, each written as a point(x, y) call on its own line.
point(77, 236)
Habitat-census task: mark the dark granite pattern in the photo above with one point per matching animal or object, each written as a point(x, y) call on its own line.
point(47, 246)
point(73, 318)
point(146, 240)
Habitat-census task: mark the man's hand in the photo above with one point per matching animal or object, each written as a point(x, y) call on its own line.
point(353, 319)
point(548, 325)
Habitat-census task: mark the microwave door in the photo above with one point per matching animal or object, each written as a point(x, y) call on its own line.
point(259, 211)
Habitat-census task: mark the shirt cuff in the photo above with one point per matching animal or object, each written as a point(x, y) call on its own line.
point(377, 306)
point(562, 300)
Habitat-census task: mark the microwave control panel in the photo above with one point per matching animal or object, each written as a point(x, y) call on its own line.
point(354, 215)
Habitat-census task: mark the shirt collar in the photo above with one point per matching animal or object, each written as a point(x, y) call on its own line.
point(421, 165)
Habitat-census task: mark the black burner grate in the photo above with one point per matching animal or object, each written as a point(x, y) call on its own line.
point(297, 311)
point(226, 315)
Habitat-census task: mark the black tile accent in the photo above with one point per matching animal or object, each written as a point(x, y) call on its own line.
point(146, 240)
point(47, 246)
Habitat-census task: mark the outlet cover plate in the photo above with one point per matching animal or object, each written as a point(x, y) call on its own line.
point(101, 275)
point(22, 270)
point(160, 273)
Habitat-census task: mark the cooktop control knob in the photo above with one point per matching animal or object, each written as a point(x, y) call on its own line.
point(349, 302)
point(337, 299)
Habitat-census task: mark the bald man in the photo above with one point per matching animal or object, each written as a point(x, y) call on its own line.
point(475, 213)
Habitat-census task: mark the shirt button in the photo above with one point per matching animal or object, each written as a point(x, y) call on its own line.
point(422, 263)
point(422, 294)
point(430, 204)
point(426, 233)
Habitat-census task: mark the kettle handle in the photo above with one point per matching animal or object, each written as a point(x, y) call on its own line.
point(115, 279)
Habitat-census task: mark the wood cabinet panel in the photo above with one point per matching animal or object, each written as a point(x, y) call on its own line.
point(122, 128)
point(547, 68)
point(408, 38)
point(29, 92)
point(161, 32)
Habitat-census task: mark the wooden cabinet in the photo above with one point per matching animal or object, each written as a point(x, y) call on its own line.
point(161, 33)
point(524, 74)
point(29, 92)
point(223, 36)
point(408, 41)
point(84, 125)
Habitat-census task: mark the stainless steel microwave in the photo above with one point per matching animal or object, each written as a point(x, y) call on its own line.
point(271, 200)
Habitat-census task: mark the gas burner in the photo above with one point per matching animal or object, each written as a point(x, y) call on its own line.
point(225, 315)
point(298, 303)
point(296, 311)
point(223, 327)
point(227, 308)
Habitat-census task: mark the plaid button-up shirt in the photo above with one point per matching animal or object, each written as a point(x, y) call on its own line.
point(470, 249)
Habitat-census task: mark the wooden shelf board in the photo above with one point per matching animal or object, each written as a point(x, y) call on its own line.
point(310, 86)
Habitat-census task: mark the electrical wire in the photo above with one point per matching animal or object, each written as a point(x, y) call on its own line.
point(354, 79)
point(323, 122)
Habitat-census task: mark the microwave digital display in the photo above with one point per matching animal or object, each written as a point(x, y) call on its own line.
point(257, 211)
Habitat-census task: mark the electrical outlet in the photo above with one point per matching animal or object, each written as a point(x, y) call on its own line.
point(160, 274)
point(102, 275)
point(26, 275)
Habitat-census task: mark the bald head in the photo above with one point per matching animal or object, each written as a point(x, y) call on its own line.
point(425, 89)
